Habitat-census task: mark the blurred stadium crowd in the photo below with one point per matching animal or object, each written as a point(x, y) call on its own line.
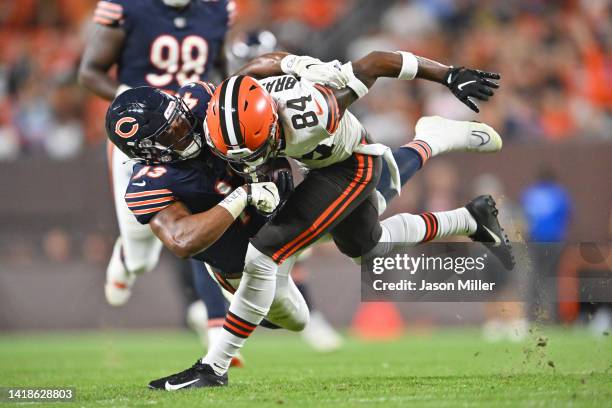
point(554, 57)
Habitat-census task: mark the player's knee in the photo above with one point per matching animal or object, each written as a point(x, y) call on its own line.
point(259, 265)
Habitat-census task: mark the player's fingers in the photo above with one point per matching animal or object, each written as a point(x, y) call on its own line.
point(340, 79)
point(485, 91)
point(285, 181)
point(337, 83)
point(470, 104)
point(490, 84)
point(490, 75)
point(336, 64)
point(481, 96)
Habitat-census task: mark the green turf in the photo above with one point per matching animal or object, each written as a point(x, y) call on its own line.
point(444, 368)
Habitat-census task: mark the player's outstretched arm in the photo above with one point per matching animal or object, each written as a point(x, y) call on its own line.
point(312, 69)
point(466, 84)
point(186, 234)
point(101, 52)
point(264, 66)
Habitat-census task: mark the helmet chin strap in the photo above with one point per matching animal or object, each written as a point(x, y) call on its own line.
point(176, 3)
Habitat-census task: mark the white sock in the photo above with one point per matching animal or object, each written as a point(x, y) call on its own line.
point(455, 222)
point(250, 305)
point(213, 334)
point(413, 229)
point(406, 228)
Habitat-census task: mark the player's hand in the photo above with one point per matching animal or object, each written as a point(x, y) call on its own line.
point(315, 70)
point(284, 182)
point(263, 196)
point(470, 84)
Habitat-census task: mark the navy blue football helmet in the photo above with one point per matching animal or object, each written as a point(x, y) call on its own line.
point(153, 127)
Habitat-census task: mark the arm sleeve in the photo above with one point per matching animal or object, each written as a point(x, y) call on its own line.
point(330, 107)
point(109, 13)
point(148, 193)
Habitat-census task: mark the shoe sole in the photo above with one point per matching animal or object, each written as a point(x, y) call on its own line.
point(483, 132)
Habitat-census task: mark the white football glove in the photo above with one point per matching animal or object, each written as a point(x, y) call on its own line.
point(263, 196)
point(315, 70)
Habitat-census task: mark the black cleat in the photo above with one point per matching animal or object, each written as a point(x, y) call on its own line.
point(197, 376)
point(482, 208)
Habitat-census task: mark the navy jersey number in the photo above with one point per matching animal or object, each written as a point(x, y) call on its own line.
point(184, 61)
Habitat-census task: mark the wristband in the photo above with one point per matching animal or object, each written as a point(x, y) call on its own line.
point(287, 63)
point(235, 202)
point(353, 82)
point(121, 89)
point(410, 65)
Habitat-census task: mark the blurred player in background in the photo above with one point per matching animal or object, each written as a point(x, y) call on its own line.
point(164, 44)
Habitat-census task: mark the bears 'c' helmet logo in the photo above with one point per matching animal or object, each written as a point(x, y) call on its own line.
point(131, 131)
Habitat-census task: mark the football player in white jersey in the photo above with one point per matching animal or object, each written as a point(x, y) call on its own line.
point(249, 122)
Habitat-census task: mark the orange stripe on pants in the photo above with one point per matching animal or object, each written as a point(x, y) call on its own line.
point(350, 192)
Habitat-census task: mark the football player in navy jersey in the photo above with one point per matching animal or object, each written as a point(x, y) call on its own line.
point(164, 44)
point(182, 190)
point(161, 43)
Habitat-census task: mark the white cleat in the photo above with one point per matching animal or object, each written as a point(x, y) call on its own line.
point(119, 281)
point(320, 335)
point(446, 135)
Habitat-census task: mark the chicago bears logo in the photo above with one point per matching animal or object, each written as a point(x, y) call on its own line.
point(131, 130)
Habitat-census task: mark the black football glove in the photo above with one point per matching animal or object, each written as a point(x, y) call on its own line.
point(469, 84)
point(284, 183)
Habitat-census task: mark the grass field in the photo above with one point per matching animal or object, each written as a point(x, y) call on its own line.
point(445, 368)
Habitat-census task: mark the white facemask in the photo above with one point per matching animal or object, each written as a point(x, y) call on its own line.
point(193, 149)
point(176, 3)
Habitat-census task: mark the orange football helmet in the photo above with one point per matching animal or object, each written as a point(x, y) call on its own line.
point(242, 123)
